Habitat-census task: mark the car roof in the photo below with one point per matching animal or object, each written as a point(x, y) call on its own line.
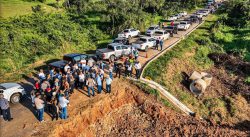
point(115, 44)
point(9, 85)
point(154, 26)
point(73, 55)
point(120, 38)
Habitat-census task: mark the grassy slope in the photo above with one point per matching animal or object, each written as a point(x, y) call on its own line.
point(191, 55)
point(12, 8)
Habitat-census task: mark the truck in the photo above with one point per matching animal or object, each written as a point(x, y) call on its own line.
point(129, 33)
point(184, 25)
point(73, 58)
point(113, 51)
point(161, 34)
point(144, 43)
point(151, 30)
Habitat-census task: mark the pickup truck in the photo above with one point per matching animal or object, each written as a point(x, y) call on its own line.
point(113, 51)
point(172, 18)
point(129, 33)
point(144, 43)
point(151, 30)
point(171, 29)
point(184, 25)
point(73, 58)
point(184, 13)
point(162, 34)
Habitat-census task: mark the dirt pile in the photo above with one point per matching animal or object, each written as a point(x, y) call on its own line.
point(130, 112)
point(234, 65)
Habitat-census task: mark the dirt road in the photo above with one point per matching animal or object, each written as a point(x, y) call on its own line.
point(25, 122)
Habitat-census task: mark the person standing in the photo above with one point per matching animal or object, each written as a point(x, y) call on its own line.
point(118, 69)
point(90, 82)
point(130, 67)
point(110, 71)
point(157, 43)
point(63, 103)
point(41, 75)
point(54, 109)
point(81, 80)
point(39, 103)
point(5, 107)
point(137, 69)
point(136, 53)
point(99, 83)
point(161, 43)
point(108, 84)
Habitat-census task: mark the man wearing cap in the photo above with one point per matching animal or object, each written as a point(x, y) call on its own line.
point(4, 104)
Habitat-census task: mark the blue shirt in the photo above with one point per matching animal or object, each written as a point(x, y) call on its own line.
point(99, 80)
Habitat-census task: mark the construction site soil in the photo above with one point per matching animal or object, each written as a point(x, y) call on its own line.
point(128, 111)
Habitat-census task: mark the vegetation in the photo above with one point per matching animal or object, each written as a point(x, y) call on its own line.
point(79, 26)
point(215, 35)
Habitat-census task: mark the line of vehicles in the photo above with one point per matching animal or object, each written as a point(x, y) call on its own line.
point(121, 46)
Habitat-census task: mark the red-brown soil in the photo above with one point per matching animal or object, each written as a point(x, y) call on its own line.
point(130, 112)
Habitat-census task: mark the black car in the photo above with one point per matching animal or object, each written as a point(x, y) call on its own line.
point(124, 41)
point(171, 29)
point(73, 58)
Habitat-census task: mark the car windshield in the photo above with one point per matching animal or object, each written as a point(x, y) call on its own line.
point(143, 40)
point(117, 41)
point(126, 31)
point(183, 23)
point(151, 28)
point(158, 32)
point(110, 47)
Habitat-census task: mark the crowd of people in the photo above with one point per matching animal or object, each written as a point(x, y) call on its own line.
point(53, 89)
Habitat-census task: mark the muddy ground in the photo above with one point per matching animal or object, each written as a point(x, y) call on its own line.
point(130, 112)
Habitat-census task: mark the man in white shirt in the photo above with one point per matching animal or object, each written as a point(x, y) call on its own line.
point(63, 102)
point(137, 69)
point(41, 75)
point(66, 68)
point(81, 79)
point(39, 103)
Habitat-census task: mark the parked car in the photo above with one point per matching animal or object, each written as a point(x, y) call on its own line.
point(12, 92)
point(184, 13)
point(151, 30)
point(184, 25)
point(129, 33)
point(189, 20)
point(73, 58)
point(144, 43)
point(199, 15)
point(172, 18)
point(171, 29)
point(177, 16)
point(162, 34)
point(124, 41)
point(113, 51)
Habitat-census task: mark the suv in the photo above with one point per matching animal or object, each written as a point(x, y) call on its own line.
point(151, 30)
point(161, 34)
point(144, 43)
point(113, 51)
point(124, 41)
point(12, 92)
point(129, 33)
point(73, 58)
point(184, 25)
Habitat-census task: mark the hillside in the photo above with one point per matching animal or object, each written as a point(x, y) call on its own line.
point(216, 48)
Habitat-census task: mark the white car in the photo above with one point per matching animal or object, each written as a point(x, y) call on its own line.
point(12, 92)
point(184, 25)
point(129, 33)
point(177, 16)
point(161, 34)
point(184, 13)
point(151, 30)
point(171, 18)
point(144, 43)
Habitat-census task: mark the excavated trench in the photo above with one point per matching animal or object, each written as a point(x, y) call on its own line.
point(130, 112)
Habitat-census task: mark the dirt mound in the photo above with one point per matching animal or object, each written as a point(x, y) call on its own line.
point(130, 112)
point(234, 65)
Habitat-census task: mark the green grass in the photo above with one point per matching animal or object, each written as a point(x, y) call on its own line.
point(12, 8)
point(206, 39)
